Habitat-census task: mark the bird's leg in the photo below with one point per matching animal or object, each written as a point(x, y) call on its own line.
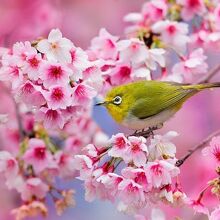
point(154, 128)
point(138, 133)
point(147, 133)
point(151, 131)
point(135, 133)
point(143, 132)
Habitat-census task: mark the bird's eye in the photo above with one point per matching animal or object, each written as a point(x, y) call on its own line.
point(117, 100)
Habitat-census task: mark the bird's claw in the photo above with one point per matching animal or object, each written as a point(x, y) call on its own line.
point(148, 132)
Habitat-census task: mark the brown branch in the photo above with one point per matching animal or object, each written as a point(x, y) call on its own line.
point(197, 147)
point(209, 75)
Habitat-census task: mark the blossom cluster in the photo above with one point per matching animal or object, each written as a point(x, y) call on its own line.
point(32, 174)
point(46, 76)
point(33, 167)
point(133, 170)
point(184, 26)
point(123, 61)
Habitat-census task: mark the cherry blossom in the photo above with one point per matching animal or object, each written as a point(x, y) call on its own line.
point(179, 197)
point(137, 151)
point(65, 163)
point(173, 34)
point(141, 73)
point(82, 94)
point(133, 50)
point(23, 50)
point(193, 65)
point(198, 206)
point(51, 119)
point(93, 77)
point(155, 56)
point(192, 8)
point(120, 146)
point(131, 192)
point(38, 156)
point(166, 193)
point(73, 144)
point(121, 74)
point(213, 149)
point(56, 47)
point(30, 94)
point(8, 165)
point(54, 74)
point(34, 187)
point(84, 164)
point(32, 66)
point(161, 146)
point(11, 70)
point(104, 45)
point(138, 175)
point(58, 97)
point(161, 172)
point(154, 10)
point(80, 62)
point(15, 182)
point(133, 17)
point(111, 182)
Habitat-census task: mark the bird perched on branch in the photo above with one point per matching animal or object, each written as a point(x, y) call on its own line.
point(148, 104)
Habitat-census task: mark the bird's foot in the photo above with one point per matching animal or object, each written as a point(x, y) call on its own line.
point(147, 133)
point(135, 133)
point(151, 131)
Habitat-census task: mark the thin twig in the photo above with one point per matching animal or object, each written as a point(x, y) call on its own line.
point(197, 147)
point(19, 121)
point(209, 75)
point(17, 112)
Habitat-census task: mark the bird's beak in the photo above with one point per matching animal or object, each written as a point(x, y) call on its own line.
point(100, 103)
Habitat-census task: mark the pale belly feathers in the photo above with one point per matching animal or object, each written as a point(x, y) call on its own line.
point(135, 123)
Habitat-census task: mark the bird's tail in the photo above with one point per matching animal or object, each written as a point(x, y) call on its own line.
point(200, 87)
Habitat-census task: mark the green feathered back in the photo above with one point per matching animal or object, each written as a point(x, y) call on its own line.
point(158, 96)
point(144, 99)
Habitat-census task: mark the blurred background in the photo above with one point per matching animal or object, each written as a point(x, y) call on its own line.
point(80, 21)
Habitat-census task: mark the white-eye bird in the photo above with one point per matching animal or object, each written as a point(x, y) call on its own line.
point(147, 104)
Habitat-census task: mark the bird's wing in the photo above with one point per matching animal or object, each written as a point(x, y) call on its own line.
point(157, 99)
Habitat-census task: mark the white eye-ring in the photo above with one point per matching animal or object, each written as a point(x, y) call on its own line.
point(117, 100)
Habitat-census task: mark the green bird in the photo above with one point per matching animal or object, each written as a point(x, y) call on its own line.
point(148, 104)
